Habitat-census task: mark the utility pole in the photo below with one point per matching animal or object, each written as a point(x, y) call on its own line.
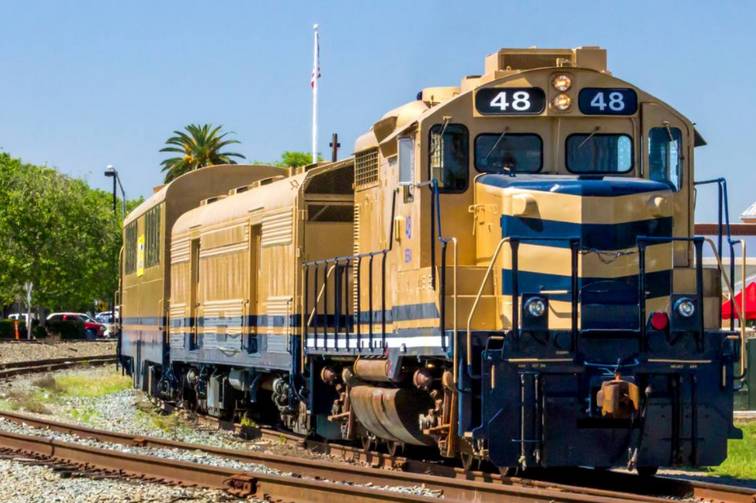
point(335, 145)
point(28, 286)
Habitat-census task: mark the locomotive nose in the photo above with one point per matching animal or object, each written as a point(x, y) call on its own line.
point(594, 222)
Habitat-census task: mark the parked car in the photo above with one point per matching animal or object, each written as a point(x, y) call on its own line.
point(92, 329)
point(106, 318)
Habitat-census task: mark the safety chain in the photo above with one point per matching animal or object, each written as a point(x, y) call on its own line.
point(606, 256)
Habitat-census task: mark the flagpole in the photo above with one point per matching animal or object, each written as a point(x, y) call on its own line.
point(315, 75)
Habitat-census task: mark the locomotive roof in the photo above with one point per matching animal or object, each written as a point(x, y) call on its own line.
point(498, 65)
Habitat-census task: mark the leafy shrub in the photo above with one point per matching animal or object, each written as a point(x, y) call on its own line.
point(7, 330)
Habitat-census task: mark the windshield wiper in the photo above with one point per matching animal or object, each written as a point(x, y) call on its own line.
point(669, 130)
point(498, 140)
point(595, 130)
point(447, 119)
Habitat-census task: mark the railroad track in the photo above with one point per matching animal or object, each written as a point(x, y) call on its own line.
point(609, 481)
point(319, 480)
point(31, 367)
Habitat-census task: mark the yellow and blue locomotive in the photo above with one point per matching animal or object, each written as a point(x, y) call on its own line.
point(504, 270)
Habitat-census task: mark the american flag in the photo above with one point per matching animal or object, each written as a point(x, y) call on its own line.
point(316, 63)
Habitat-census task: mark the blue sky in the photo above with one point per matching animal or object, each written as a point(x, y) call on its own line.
point(87, 83)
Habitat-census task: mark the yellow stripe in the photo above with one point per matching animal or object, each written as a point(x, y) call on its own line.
point(615, 264)
point(587, 209)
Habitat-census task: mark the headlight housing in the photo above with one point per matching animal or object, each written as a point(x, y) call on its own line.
point(561, 102)
point(685, 307)
point(536, 307)
point(561, 82)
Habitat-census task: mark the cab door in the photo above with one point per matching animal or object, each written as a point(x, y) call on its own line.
point(667, 155)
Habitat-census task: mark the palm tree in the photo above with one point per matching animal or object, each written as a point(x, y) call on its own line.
point(198, 146)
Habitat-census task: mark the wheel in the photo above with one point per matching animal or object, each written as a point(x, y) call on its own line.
point(647, 471)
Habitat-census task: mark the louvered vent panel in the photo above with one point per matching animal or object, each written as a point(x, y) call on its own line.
point(366, 169)
point(180, 251)
point(278, 307)
point(178, 325)
point(277, 228)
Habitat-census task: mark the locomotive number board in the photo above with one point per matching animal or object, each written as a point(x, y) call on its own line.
point(607, 101)
point(510, 101)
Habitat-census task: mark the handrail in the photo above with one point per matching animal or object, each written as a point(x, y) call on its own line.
point(740, 310)
point(455, 344)
point(320, 294)
point(478, 296)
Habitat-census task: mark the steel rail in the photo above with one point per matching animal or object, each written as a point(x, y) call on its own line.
point(29, 367)
point(589, 480)
point(239, 483)
point(449, 482)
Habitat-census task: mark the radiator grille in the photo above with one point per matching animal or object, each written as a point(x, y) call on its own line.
point(366, 169)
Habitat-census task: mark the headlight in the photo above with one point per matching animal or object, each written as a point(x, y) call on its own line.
point(536, 307)
point(561, 102)
point(561, 82)
point(685, 307)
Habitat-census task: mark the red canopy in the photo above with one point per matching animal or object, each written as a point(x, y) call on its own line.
point(750, 313)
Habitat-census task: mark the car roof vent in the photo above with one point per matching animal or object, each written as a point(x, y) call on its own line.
point(212, 199)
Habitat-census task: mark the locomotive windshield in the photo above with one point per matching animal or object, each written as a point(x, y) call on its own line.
point(505, 152)
point(599, 153)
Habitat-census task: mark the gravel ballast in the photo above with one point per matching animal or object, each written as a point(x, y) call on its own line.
point(29, 483)
point(11, 352)
point(190, 456)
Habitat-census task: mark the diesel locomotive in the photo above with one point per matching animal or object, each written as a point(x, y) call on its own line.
point(504, 271)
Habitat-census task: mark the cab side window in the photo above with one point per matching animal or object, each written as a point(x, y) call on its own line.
point(449, 156)
point(406, 161)
point(665, 155)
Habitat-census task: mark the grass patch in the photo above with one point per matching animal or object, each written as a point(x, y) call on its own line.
point(27, 401)
point(169, 423)
point(741, 455)
point(89, 387)
point(86, 415)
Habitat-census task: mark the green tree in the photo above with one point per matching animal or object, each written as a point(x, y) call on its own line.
point(57, 232)
point(294, 159)
point(198, 146)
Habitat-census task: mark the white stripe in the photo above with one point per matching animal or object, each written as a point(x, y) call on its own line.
point(391, 342)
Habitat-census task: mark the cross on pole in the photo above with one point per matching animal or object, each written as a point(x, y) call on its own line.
point(334, 147)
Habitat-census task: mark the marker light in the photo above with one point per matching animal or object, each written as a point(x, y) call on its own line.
point(536, 307)
point(561, 102)
point(561, 82)
point(685, 307)
point(660, 321)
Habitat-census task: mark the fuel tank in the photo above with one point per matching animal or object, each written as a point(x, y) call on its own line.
point(391, 413)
